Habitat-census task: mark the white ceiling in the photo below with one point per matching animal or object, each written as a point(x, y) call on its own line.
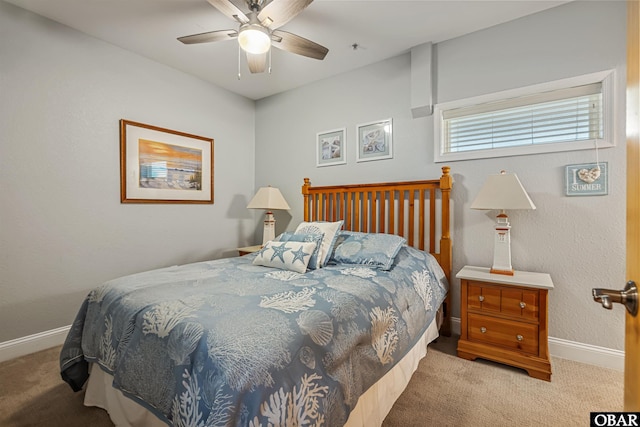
point(382, 29)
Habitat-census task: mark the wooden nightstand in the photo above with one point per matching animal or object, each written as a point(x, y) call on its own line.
point(504, 319)
point(249, 250)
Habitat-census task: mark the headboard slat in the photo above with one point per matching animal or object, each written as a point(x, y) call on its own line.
point(392, 212)
point(374, 210)
point(432, 223)
point(401, 202)
point(383, 203)
point(421, 223)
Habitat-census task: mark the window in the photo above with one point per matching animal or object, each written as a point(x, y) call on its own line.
point(570, 114)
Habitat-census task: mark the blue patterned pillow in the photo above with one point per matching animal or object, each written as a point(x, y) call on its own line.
point(289, 236)
point(372, 249)
point(292, 256)
point(330, 230)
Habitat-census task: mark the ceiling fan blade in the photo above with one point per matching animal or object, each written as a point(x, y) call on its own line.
point(211, 36)
point(298, 45)
point(257, 62)
point(279, 12)
point(230, 9)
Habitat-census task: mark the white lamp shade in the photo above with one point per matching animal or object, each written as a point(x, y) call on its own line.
point(502, 191)
point(268, 198)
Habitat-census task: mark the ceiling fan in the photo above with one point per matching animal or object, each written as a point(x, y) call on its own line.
point(258, 30)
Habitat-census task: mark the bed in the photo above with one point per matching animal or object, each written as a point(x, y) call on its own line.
point(323, 326)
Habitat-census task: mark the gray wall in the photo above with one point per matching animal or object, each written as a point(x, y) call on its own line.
point(579, 240)
point(63, 229)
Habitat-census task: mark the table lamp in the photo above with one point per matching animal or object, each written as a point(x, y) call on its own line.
point(268, 198)
point(502, 191)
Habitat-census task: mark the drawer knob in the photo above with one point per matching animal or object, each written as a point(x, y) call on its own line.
point(519, 337)
point(481, 298)
point(522, 304)
point(483, 329)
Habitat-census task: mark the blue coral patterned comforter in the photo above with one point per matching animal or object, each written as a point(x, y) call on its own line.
point(227, 343)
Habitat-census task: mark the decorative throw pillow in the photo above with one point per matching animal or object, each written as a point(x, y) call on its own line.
point(292, 256)
point(289, 236)
point(330, 231)
point(376, 250)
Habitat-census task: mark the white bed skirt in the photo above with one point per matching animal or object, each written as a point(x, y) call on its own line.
point(372, 408)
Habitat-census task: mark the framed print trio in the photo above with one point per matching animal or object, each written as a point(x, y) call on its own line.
point(374, 142)
point(164, 166)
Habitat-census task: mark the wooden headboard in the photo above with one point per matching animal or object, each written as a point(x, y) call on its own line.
point(408, 209)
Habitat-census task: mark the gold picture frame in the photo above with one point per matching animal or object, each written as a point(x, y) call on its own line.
point(160, 165)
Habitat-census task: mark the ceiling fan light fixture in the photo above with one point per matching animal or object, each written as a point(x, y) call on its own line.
point(254, 38)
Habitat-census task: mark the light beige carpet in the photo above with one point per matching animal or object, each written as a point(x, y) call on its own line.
point(445, 391)
point(449, 391)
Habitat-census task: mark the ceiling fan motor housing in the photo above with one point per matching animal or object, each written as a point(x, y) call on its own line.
point(255, 5)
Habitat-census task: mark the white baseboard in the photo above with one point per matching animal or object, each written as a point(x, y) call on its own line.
point(564, 349)
point(33, 343)
point(587, 353)
point(578, 352)
point(455, 325)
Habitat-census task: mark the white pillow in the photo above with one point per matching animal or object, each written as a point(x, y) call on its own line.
point(292, 256)
point(330, 230)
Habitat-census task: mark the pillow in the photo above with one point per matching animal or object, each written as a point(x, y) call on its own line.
point(292, 256)
point(376, 250)
point(289, 236)
point(330, 231)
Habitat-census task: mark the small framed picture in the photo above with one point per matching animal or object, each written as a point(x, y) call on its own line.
point(587, 179)
point(375, 141)
point(331, 148)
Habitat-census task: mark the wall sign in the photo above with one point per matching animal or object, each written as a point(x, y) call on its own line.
point(587, 179)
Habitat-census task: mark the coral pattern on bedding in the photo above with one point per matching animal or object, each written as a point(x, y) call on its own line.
point(229, 343)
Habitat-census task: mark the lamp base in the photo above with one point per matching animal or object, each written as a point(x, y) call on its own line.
point(269, 232)
point(502, 247)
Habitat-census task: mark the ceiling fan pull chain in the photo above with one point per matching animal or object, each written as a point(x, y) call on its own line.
point(270, 60)
point(239, 51)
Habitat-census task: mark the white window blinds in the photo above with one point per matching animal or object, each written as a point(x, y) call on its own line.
point(564, 115)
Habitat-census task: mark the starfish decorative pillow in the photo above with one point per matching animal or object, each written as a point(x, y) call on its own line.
point(289, 255)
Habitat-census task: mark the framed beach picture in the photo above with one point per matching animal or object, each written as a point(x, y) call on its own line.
point(375, 141)
point(164, 166)
point(331, 147)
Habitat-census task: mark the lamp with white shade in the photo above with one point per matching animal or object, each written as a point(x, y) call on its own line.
point(268, 198)
point(502, 192)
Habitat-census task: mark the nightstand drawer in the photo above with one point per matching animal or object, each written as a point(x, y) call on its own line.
point(505, 333)
point(520, 303)
point(483, 297)
point(509, 301)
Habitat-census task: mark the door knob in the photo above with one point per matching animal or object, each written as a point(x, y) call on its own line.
point(628, 297)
